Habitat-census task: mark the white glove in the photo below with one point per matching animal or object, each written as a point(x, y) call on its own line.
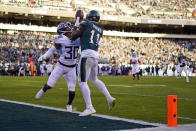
point(41, 58)
point(77, 23)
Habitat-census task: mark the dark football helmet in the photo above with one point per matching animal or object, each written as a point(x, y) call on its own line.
point(93, 15)
point(64, 27)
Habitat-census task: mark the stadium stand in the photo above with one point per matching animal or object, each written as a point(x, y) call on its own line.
point(157, 30)
point(151, 50)
point(165, 9)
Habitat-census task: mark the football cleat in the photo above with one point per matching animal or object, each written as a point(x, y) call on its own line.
point(39, 94)
point(88, 112)
point(69, 108)
point(111, 103)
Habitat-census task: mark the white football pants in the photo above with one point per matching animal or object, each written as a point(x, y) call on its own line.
point(185, 71)
point(68, 72)
point(87, 69)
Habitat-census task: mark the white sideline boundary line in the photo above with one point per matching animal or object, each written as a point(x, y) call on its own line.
point(77, 112)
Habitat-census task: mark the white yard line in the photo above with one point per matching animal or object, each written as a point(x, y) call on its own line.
point(186, 118)
point(149, 85)
point(140, 85)
point(120, 85)
point(144, 95)
point(26, 81)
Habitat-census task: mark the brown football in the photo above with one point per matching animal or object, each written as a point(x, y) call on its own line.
point(79, 13)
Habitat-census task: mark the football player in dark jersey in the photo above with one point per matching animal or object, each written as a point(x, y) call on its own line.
point(182, 66)
point(90, 34)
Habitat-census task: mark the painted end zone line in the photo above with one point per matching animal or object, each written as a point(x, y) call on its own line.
point(77, 112)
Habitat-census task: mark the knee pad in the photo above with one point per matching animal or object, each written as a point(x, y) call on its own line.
point(83, 84)
point(71, 87)
point(93, 79)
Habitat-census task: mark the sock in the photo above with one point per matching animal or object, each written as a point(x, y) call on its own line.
point(187, 78)
point(71, 97)
point(138, 76)
point(101, 86)
point(86, 94)
point(46, 87)
point(133, 75)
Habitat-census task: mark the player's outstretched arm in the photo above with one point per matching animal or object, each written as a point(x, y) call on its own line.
point(77, 32)
point(49, 53)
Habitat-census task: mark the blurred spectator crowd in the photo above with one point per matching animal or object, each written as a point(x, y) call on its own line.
point(150, 50)
point(165, 9)
point(19, 46)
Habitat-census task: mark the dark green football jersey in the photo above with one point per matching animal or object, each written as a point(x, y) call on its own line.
point(182, 60)
point(91, 35)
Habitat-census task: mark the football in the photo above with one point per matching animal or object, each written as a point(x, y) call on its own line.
point(80, 14)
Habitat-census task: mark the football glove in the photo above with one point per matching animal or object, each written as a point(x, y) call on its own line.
point(41, 58)
point(77, 23)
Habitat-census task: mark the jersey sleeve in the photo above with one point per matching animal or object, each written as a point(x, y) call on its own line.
point(84, 23)
point(77, 42)
point(101, 33)
point(179, 59)
point(58, 39)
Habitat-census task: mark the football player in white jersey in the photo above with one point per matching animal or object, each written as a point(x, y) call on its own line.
point(66, 65)
point(135, 68)
point(164, 66)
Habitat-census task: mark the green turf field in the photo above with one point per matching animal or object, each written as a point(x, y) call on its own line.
point(145, 101)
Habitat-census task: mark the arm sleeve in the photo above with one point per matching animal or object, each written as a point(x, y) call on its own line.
point(50, 52)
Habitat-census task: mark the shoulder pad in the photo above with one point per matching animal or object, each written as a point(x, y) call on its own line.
point(76, 42)
point(84, 23)
point(58, 39)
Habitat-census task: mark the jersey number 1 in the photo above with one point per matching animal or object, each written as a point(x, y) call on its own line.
point(92, 38)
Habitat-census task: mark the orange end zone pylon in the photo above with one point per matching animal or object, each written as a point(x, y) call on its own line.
point(172, 110)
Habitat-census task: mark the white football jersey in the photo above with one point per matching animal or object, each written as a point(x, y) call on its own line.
point(135, 60)
point(135, 67)
point(164, 64)
point(68, 50)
